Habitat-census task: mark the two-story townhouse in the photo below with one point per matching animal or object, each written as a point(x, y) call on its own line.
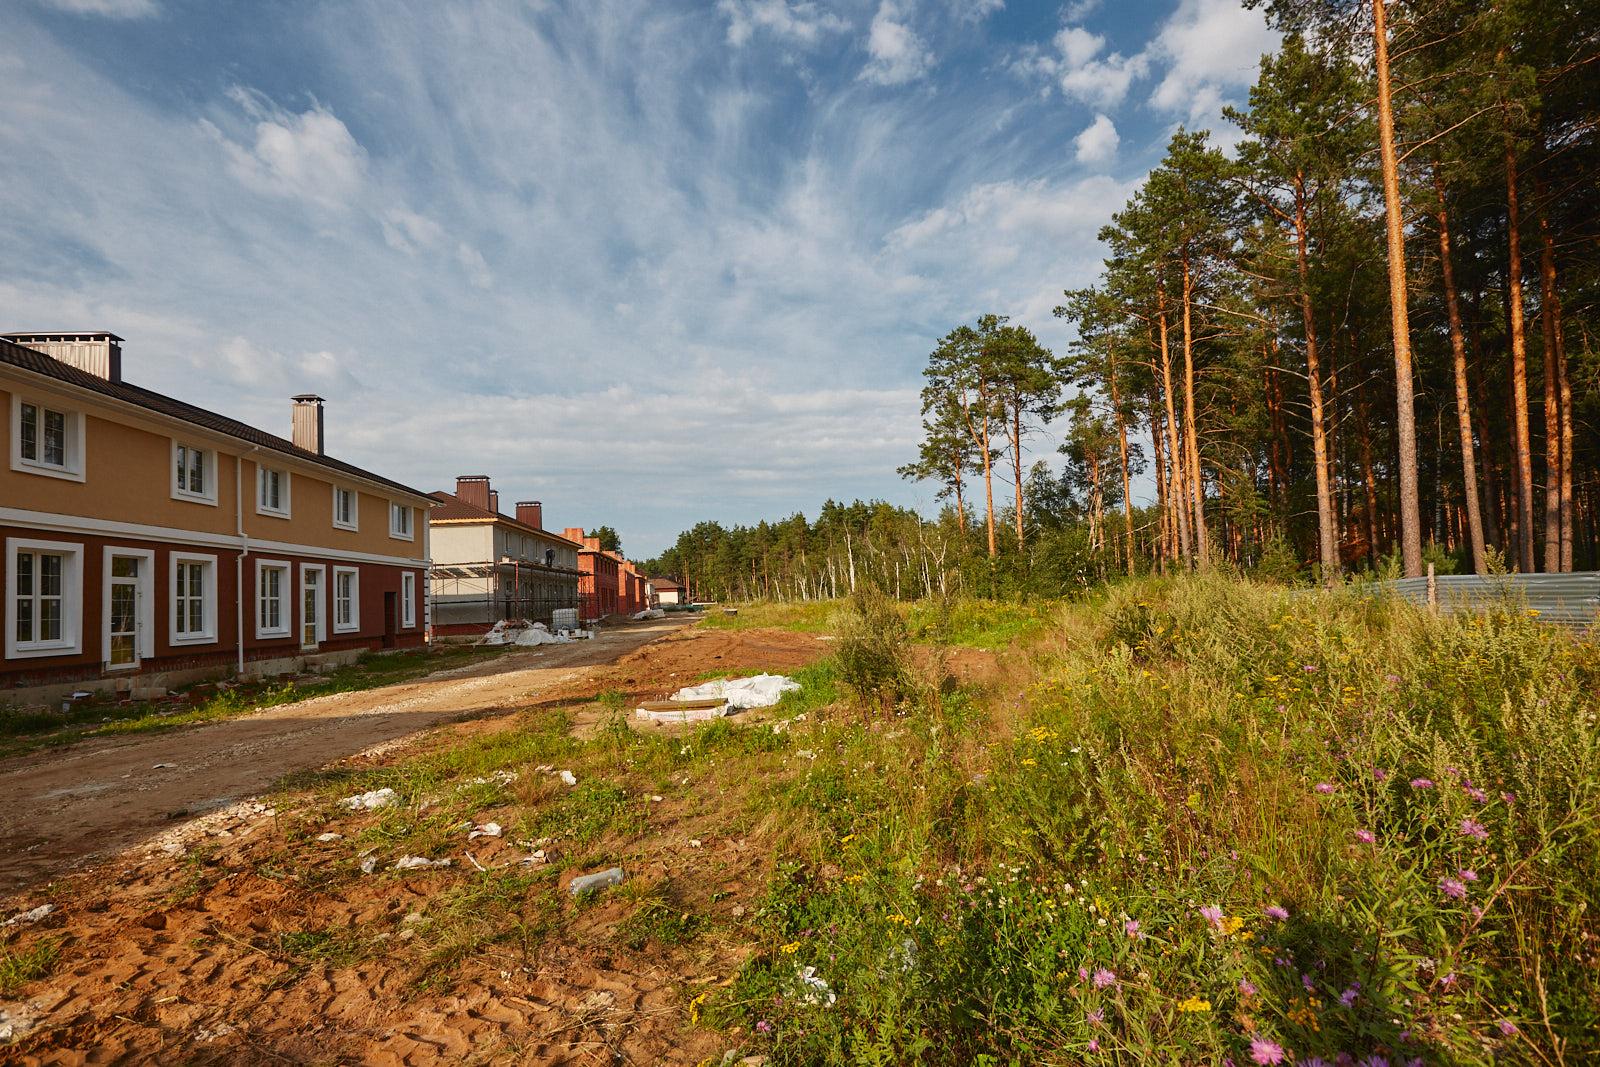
point(489, 567)
point(147, 537)
point(598, 586)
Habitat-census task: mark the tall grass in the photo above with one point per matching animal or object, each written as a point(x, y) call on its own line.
point(1224, 823)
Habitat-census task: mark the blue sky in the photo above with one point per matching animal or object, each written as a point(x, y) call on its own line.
point(650, 262)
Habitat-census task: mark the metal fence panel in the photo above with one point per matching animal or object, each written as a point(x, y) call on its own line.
point(1571, 600)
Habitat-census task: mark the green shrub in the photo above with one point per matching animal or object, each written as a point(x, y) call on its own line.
point(871, 649)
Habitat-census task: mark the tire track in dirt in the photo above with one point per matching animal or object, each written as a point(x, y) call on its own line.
point(61, 808)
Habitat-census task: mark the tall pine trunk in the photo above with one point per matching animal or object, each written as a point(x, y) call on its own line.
point(1458, 350)
point(1178, 497)
point(1122, 445)
point(1016, 461)
point(1191, 434)
point(1554, 460)
point(1327, 536)
point(1399, 315)
point(1521, 437)
point(1165, 549)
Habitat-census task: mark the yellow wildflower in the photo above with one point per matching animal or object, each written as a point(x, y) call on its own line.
point(790, 949)
point(1030, 762)
point(1194, 1004)
point(900, 919)
point(1231, 924)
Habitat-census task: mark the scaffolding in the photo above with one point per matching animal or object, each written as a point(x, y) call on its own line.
point(477, 595)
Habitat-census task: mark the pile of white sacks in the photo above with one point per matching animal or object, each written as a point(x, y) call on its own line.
point(537, 633)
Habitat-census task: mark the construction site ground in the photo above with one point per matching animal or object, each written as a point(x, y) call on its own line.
point(204, 908)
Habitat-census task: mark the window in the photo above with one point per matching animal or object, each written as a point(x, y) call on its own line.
point(193, 473)
point(194, 598)
point(346, 600)
point(272, 598)
point(46, 440)
point(43, 580)
point(400, 522)
point(408, 599)
point(345, 515)
point(272, 495)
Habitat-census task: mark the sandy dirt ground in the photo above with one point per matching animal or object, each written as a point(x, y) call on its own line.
point(182, 950)
point(61, 807)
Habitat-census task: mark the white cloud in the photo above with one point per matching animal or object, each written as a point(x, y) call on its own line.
point(116, 9)
point(1078, 65)
point(1209, 48)
point(476, 267)
point(898, 54)
point(975, 10)
point(1098, 142)
point(801, 21)
point(309, 156)
point(407, 231)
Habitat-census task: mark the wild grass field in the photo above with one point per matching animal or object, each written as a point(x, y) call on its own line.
point(1195, 821)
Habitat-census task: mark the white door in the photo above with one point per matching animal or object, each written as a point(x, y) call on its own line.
point(124, 630)
point(311, 607)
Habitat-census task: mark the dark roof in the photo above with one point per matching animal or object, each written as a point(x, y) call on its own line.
point(16, 355)
point(453, 507)
point(666, 583)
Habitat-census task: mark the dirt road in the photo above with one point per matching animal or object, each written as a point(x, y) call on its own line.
point(61, 808)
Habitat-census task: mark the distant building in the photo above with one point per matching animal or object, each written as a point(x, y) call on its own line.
point(489, 567)
point(667, 591)
point(149, 538)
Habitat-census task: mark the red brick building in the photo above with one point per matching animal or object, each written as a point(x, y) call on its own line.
point(598, 576)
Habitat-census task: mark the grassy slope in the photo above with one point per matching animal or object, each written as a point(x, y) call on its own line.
point(1085, 863)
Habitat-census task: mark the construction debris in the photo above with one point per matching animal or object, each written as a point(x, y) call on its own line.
point(378, 798)
point(32, 915)
point(522, 632)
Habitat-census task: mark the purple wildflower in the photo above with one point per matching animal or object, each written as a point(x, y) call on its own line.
point(1083, 973)
point(1276, 912)
point(1474, 829)
point(1131, 928)
point(1097, 1017)
point(1103, 978)
point(764, 1027)
point(1477, 794)
point(1247, 987)
point(1452, 887)
point(1422, 783)
point(1508, 1028)
point(1366, 837)
point(1348, 997)
point(1467, 874)
point(1379, 774)
point(1448, 980)
point(1324, 788)
point(1305, 980)
point(1213, 915)
point(1309, 668)
point(1509, 798)
point(1265, 1052)
point(1094, 1044)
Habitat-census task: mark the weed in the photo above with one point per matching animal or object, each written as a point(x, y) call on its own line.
point(19, 966)
point(872, 651)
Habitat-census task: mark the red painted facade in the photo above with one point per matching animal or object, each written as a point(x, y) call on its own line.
point(610, 583)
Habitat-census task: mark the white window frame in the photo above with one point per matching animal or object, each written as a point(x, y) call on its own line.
point(73, 446)
point(410, 531)
point(147, 604)
point(408, 600)
point(208, 590)
point(322, 606)
point(286, 598)
point(355, 508)
point(71, 640)
point(354, 625)
point(282, 511)
point(208, 475)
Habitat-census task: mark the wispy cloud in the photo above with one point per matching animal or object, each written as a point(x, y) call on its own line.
point(612, 253)
point(116, 9)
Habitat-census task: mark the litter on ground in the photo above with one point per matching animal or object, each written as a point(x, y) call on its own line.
point(567, 777)
point(488, 829)
point(599, 880)
point(722, 697)
point(417, 863)
point(378, 798)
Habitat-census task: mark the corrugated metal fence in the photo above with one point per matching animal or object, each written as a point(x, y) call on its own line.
point(1565, 599)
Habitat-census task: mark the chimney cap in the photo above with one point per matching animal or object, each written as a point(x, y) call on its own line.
point(308, 398)
point(61, 335)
